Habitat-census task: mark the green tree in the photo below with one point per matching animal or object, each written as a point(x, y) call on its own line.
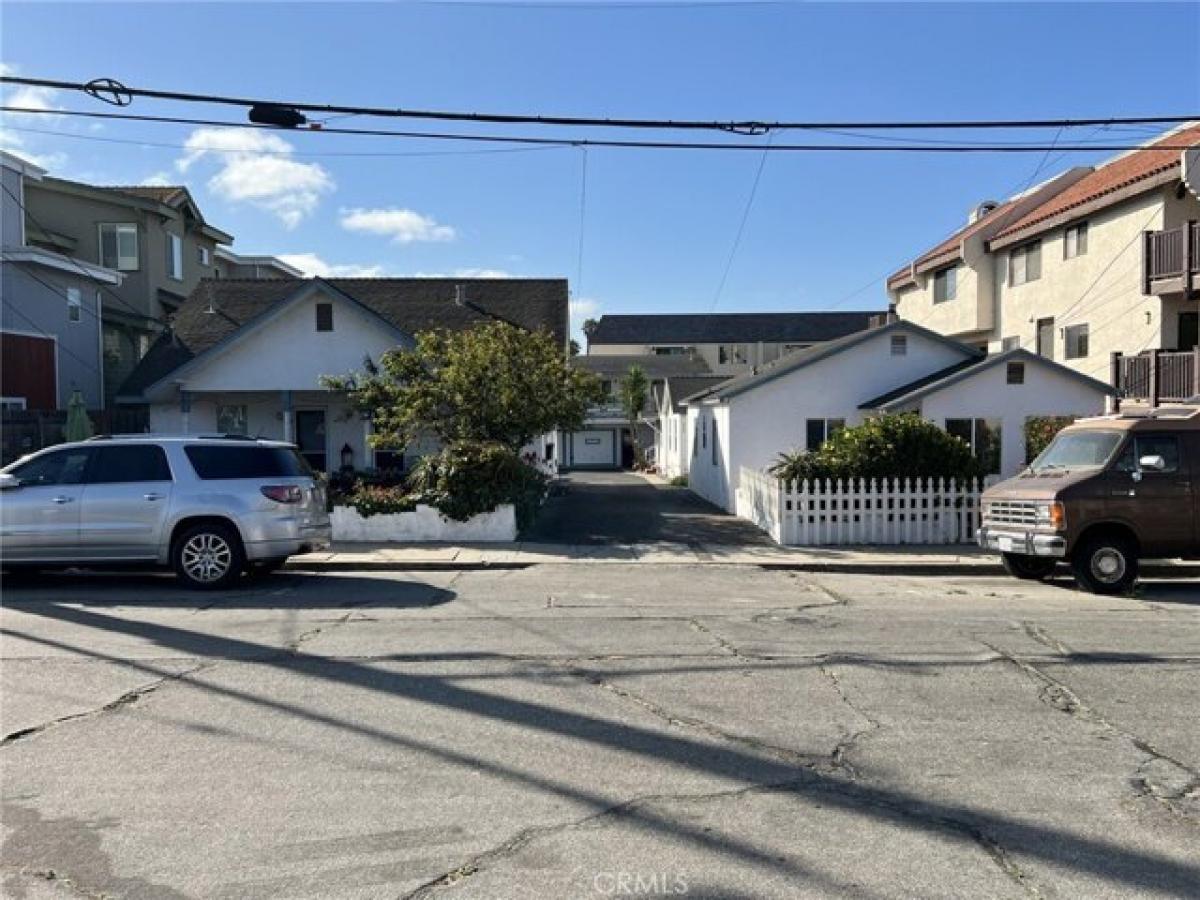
point(493, 384)
point(633, 398)
point(900, 446)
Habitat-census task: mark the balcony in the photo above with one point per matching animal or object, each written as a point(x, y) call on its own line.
point(1157, 376)
point(1171, 259)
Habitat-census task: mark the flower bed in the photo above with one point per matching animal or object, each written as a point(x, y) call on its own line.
point(423, 523)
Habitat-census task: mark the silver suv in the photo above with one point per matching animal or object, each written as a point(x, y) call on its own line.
point(211, 507)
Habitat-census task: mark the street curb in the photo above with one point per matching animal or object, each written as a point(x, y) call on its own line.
point(397, 566)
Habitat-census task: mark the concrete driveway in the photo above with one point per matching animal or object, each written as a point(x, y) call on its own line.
point(623, 508)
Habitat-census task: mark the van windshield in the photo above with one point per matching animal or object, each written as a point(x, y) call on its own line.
point(1077, 450)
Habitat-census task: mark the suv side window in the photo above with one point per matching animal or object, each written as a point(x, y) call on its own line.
point(1127, 461)
point(1164, 445)
point(133, 462)
point(59, 467)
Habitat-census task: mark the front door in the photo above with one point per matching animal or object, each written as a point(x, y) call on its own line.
point(310, 437)
point(1045, 338)
point(1189, 331)
point(1157, 504)
point(39, 519)
point(125, 502)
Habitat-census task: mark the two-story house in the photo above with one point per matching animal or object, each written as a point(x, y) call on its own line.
point(1093, 262)
point(155, 237)
point(684, 347)
point(227, 264)
point(50, 309)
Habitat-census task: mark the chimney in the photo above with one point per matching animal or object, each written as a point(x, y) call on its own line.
point(980, 210)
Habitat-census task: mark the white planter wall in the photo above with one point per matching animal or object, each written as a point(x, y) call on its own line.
point(423, 524)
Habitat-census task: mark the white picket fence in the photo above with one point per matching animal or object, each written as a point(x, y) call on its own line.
point(861, 511)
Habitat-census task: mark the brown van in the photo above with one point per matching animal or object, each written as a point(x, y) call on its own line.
point(1107, 492)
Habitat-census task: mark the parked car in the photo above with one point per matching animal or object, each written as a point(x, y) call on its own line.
point(1106, 493)
point(210, 507)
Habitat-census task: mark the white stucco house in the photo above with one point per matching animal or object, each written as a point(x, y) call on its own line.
point(802, 398)
point(246, 356)
point(673, 450)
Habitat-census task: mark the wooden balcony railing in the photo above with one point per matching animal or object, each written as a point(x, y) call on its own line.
point(1156, 376)
point(1171, 253)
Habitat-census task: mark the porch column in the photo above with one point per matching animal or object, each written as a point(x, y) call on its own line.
point(285, 402)
point(185, 412)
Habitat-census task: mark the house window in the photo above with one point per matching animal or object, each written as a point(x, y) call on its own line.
point(714, 440)
point(174, 257)
point(818, 431)
point(1075, 241)
point(74, 305)
point(12, 403)
point(983, 437)
point(119, 247)
point(1025, 264)
point(696, 439)
point(232, 419)
point(205, 256)
point(1010, 343)
point(732, 354)
point(1076, 341)
point(899, 345)
point(143, 345)
point(945, 284)
point(670, 351)
point(1016, 373)
point(324, 317)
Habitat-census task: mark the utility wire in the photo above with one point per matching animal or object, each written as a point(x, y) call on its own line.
point(34, 325)
point(737, 238)
point(583, 174)
point(592, 142)
point(745, 126)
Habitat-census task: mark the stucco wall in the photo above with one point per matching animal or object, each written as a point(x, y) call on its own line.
point(989, 396)
point(709, 472)
point(971, 310)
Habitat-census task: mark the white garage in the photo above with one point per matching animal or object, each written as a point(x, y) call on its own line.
point(595, 448)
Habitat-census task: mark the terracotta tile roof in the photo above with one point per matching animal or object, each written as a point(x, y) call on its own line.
point(951, 244)
point(1122, 172)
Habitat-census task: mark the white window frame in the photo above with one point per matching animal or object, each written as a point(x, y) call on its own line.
point(737, 354)
point(1070, 347)
point(829, 427)
point(122, 263)
point(74, 305)
point(973, 443)
point(12, 403)
point(1018, 264)
point(205, 256)
point(1075, 240)
point(174, 256)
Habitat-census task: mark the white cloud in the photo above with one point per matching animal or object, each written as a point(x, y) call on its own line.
point(313, 266)
point(15, 144)
point(26, 95)
point(403, 226)
point(584, 308)
point(256, 168)
point(157, 179)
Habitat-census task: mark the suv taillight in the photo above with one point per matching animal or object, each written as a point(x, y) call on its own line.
point(282, 493)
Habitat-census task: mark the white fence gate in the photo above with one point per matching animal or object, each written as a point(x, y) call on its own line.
point(860, 510)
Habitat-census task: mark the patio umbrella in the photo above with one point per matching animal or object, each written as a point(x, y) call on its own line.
point(79, 426)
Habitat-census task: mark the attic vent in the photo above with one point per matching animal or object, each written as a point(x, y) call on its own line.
point(982, 209)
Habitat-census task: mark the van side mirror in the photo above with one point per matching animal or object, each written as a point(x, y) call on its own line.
point(8, 482)
point(1154, 463)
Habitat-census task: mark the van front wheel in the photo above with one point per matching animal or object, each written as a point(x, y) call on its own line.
point(1105, 564)
point(1027, 568)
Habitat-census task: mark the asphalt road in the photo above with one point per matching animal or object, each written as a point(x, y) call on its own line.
point(599, 731)
point(623, 508)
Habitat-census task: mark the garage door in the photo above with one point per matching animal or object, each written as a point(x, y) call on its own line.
point(595, 449)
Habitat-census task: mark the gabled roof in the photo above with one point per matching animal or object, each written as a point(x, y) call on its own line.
point(1120, 178)
point(409, 305)
point(720, 328)
point(951, 248)
point(939, 381)
point(801, 358)
point(169, 195)
point(683, 389)
point(655, 367)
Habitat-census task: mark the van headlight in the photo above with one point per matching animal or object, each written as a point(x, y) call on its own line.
point(1052, 514)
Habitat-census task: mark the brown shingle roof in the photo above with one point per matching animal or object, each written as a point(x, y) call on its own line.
point(1124, 171)
point(162, 194)
point(410, 304)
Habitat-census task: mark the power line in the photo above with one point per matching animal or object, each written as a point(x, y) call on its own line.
point(103, 88)
point(594, 142)
point(737, 238)
point(34, 325)
point(583, 173)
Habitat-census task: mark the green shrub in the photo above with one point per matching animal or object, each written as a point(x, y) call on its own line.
point(467, 478)
point(1040, 431)
point(900, 446)
point(679, 481)
point(379, 500)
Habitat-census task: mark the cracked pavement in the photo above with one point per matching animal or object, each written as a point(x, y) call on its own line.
point(643, 730)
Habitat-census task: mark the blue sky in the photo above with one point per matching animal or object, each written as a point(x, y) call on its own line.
point(659, 225)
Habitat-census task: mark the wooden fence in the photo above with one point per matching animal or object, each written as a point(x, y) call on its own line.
point(861, 511)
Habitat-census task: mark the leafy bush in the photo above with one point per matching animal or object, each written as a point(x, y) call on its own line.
point(342, 485)
point(679, 481)
point(901, 446)
point(467, 478)
point(1040, 431)
point(379, 500)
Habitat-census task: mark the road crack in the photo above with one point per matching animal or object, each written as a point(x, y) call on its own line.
point(125, 699)
point(850, 739)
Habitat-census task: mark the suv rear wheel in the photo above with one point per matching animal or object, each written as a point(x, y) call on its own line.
point(1027, 568)
point(1105, 564)
point(208, 556)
